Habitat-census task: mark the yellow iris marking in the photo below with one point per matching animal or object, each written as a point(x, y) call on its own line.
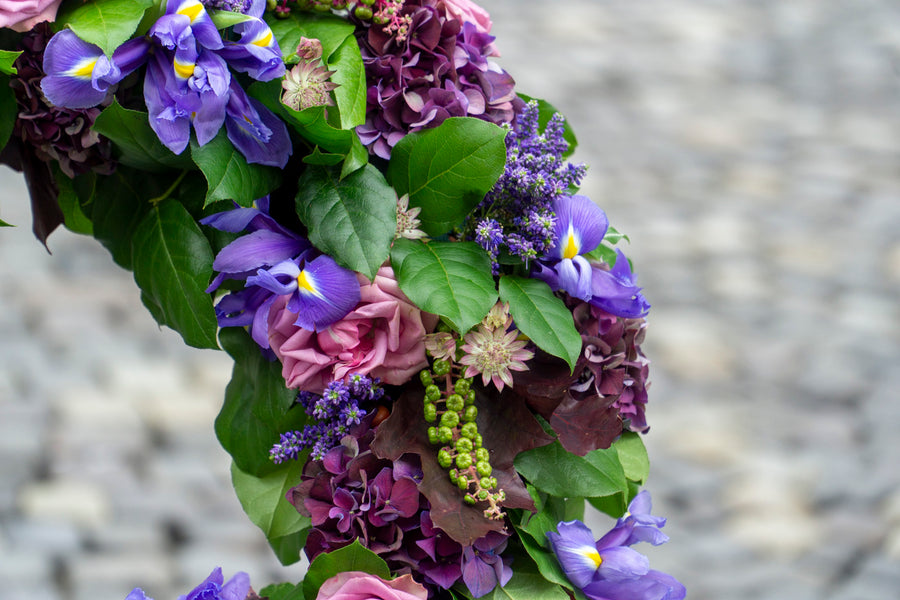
point(594, 557)
point(264, 41)
point(571, 249)
point(305, 282)
point(191, 11)
point(84, 70)
point(183, 70)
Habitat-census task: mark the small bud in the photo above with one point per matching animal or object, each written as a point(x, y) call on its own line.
point(425, 377)
point(462, 482)
point(449, 419)
point(429, 411)
point(469, 499)
point(478, 441)
point(469, 430)
point(484, 468)
point(485, 483)
point(464, 445)
point(482, 454)
point(444, 459)
point(471, 414)
point(363, 13)
point(463, 461)
point(445, 435)
point(455, 403)
point(462, 386)
point(470, 397)
point(441, 367)
point(482, 495)
point(433, 436)
point(433, 392)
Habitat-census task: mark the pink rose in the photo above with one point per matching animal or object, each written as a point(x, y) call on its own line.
point(356, 585)
point(466, 10)
point(384, 336)
point(22, 15)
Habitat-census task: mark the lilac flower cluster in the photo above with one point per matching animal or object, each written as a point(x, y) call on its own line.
point(609, 568)
point(338, 408)
point(517, 214)
point(238, 6)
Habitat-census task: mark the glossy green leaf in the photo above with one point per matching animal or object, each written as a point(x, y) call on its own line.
point(8, 110)
point(633, 456)
point(264, 501)
point(258, 407)
point(106, 23)
point(551, 510)
point(350, 75)
point(173, 266)
point(447, 170)
point(282, 591)
point(545, 112)
point(349, 558)
point(450, 279)
point(117, 204)
point(332, 31)
point(224, 19)
point(555, 471)
point(547, 564)
point(5, 224)
point(137, 144)
point(542, 316)
point(7, 59)
point(228, 174)
point(73, 215)
point(528, 586)
point(352, 219)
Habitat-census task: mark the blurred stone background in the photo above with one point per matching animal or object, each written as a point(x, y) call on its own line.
point(751, 150)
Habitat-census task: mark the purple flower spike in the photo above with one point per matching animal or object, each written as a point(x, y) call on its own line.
point(78, 73)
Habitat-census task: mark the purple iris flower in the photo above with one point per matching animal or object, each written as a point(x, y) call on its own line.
point(256, 52)
point(185, 24)
point(255, 131)
point(79, 75)
point(213, 587)
point(607, 569)
point(579, 229)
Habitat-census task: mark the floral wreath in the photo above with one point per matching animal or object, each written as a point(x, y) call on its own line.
point(436, 339)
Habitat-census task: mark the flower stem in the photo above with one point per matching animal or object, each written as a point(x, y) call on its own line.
point(168, 192)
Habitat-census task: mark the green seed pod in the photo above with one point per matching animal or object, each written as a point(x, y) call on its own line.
point(440, 367)
point(444, 459)
point(432, 392)
point(363, 13)
point(462, 483)
point(470, 414)
point(470, 397)
point(323, 8)
point(469, 430)
point(494, 484)
point(478, 441)
point(425, 377)
point(485, 483)
point(445, 435)
point(469, 499)
point(464, 445)
point(482, 454)
point(454, 475)
point(463, 461)
point(483, 468)
point(461, 387)
point(482, 495)
point(455, 403)
point(449, 419)
point(430, 412)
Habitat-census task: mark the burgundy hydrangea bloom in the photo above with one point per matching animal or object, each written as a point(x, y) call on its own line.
point(439, 69)
point(56, 134)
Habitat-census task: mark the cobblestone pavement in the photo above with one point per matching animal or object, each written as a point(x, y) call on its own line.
point(751, 150)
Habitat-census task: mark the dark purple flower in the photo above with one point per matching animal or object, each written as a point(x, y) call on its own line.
point(483, 568)
point(608, 569)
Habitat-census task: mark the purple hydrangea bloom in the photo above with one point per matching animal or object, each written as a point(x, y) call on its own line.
point(608, 569)
point(483, 568)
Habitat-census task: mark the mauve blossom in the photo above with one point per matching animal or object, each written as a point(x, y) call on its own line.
point(22, 15)
point(356, 585)
point(384, 336)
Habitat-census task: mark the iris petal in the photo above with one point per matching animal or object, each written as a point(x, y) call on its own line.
point(261, 248)
point(255, 131)
point(580, 226)
point(336, 293)
point(78, 73)
point(573, 546)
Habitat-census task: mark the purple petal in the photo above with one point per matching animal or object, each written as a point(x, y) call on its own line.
point(255, 131)
point(256, 250)
point(212, 582)
point(201, 24)
point(256, 53)
point(575, 277)
point(580, 226)
point(172, 126)
point(405, 497)
point(131, 55)
point(137, 594)
point(269, 280)
point(78, 73)
point(259, 329)
point(575, 550)
point(327, 293)
point(478, 576)
point(616, 292)
point(652, 586)
point(236, 588)
point(622, 563)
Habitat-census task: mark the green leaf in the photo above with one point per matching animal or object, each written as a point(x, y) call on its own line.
point(137, 143)
point(352, 219)
point(7, 59)
point(258, 406)
point(317, 157)
point(546, 563)
point(447, 170)
point(106, 23)
point(332, 31)
point(545, 112)
point(223, 19)
point(613, 236)
point(633, 456)
point(288, 548)
point(5, 224)
point(528, 586)
point(229, 175)
point(8, 110)
point(73, 215)
point(117, 203)
point(173, 266)
point(264, 501)
point(282, 591)
point(349, 558)
point(450, 279)
point(553, 510)
point(357, 156)
point(542, 316)
point(557, 472)
point(350, 75)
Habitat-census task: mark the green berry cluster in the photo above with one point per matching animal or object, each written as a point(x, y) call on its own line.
point(362, 9)
point(451, 413)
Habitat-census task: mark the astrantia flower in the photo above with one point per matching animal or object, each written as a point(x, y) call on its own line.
point(441, 345)
point(608, 569)
point(407, 220)
point(306, 84)
point(494, 354)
